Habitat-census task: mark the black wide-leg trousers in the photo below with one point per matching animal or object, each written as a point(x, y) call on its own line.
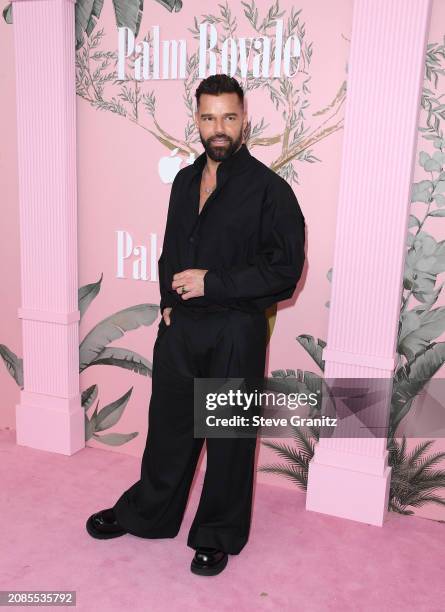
point(204, 344)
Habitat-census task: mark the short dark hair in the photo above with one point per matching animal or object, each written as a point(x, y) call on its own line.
point(217, 84)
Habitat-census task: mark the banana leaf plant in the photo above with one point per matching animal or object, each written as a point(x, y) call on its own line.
point(95, 350)
point(128, 13)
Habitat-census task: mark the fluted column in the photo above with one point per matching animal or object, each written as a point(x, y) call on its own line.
point(49, 415)
point(349, 477)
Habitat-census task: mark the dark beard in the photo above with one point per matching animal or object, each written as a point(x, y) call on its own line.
point(221, 153)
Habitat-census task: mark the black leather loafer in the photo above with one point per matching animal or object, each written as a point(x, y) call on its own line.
point(103, 525)
point(208, 561)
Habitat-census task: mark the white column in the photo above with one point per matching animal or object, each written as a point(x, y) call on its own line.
point(349, 477)
point(49, 415)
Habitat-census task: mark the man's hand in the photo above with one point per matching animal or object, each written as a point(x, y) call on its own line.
point(166, 315)
point(192, 280)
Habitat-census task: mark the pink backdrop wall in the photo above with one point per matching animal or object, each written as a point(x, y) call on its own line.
point(120, 190)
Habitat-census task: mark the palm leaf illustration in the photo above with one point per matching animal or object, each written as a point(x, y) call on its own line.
point(88, 396)
point(86, 295)
point(314, 348)
point(411, 378)
point(128, 13)
point(297, 459)
point(124, 358)
point(112, 328)
point(93, 350)
point(13, 364)
point(414, 482)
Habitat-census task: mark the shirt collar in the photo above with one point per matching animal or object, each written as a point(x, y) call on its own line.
point(231, 165)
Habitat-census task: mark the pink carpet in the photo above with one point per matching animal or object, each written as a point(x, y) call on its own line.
point(294, 560)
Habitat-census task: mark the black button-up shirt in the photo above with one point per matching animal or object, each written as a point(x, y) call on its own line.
point(249, 235)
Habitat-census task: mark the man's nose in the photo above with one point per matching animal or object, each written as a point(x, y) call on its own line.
point(219, 126)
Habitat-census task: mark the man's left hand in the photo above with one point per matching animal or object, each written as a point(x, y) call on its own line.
point(192, 280)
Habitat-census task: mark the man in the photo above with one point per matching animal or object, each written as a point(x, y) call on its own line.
point(233, 245)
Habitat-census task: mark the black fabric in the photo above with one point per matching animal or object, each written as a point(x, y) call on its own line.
point(223, 344)
point(250, 235)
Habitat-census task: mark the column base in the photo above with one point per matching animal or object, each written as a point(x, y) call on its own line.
point(50, 423)
point(355, 495)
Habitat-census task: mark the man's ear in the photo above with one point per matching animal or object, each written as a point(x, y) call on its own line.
point(196, 118)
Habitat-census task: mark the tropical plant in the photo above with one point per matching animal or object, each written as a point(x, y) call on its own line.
point(94, 350)
point(297, 458)
point(413, 479)
point(128, 13)
point(413, 482)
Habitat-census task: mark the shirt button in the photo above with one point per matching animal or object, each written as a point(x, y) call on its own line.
point(191, 239)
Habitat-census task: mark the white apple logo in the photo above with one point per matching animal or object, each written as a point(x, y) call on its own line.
point(168, 166)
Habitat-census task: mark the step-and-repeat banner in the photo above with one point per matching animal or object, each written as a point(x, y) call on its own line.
point(137, 69)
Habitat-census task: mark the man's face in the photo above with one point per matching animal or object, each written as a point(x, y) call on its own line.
point(221, 121)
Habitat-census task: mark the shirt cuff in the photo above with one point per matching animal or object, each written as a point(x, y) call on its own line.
point(213, 286)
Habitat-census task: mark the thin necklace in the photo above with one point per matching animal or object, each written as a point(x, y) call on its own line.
point(209, 189)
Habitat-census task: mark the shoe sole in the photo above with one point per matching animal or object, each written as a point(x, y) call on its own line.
point(99, 535)
point(210, 571)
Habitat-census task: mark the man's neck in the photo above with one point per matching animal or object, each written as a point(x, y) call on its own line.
point(212, 167)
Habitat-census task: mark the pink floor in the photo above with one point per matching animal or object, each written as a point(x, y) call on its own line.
point(294, 560)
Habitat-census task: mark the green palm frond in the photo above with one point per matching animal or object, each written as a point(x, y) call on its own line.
point(293, 456)
point(397, 453)
point(298, 459)
point(395, 506)
point(303, 440)
point(413, 481)
point(428, 462)
point(315, 432)
point(423, 499)
point(293, 473)
point(418, 451)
